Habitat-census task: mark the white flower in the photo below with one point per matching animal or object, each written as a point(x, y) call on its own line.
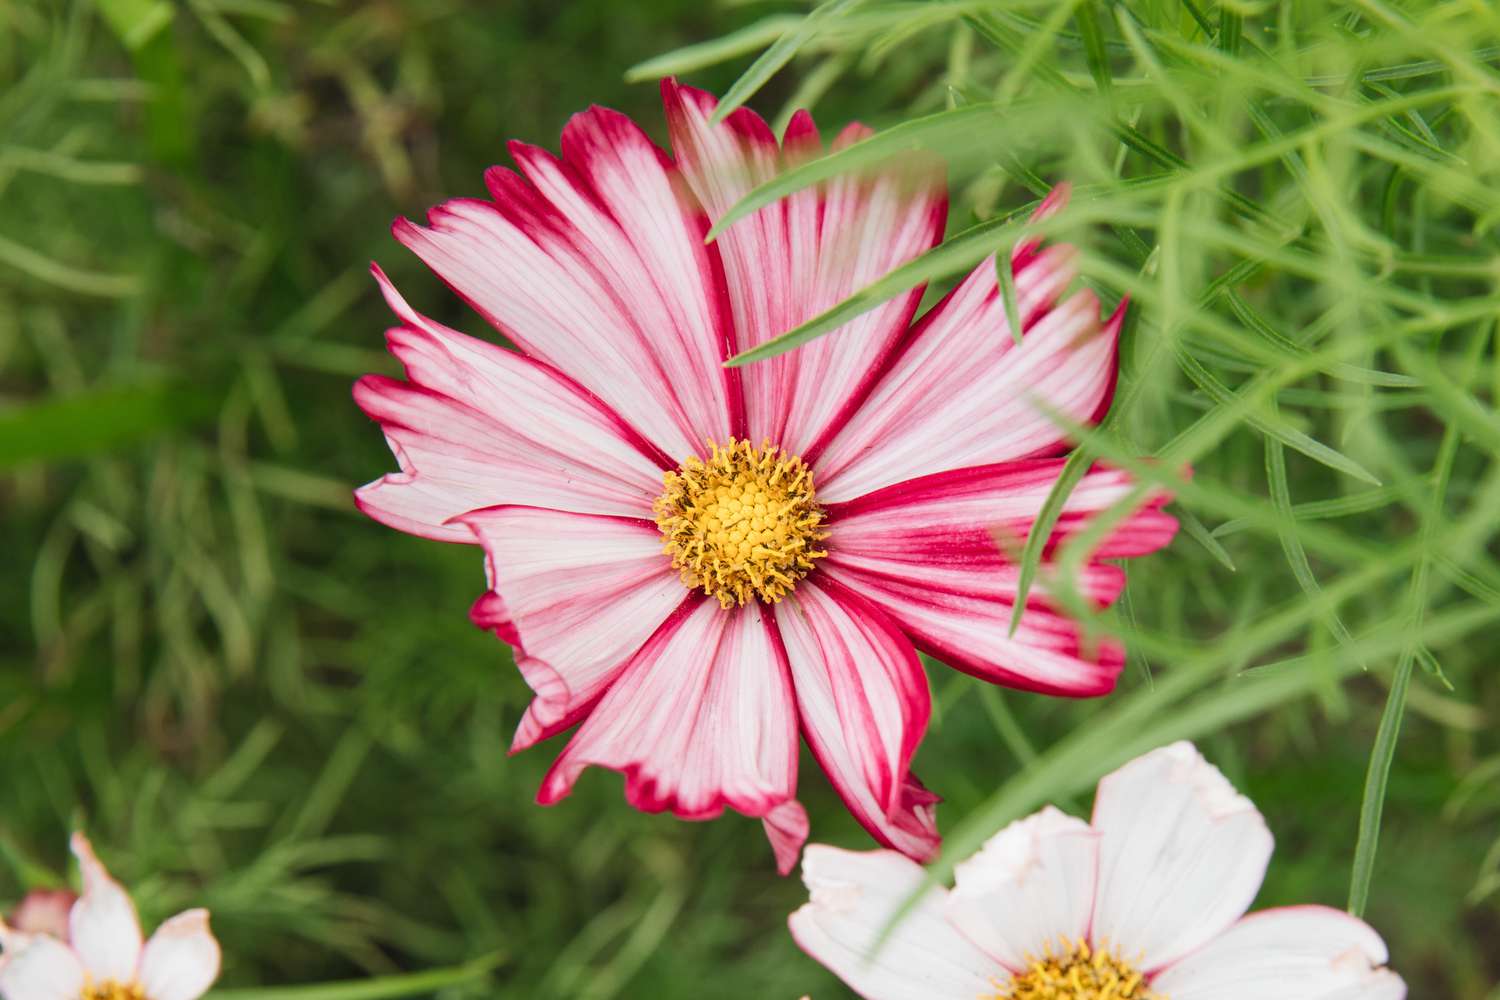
point(1146, 902)
point(105, 958)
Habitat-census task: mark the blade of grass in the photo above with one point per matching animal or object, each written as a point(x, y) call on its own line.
point(380, 988)
point(98, 421)
point(715, 50)
point(776, 56)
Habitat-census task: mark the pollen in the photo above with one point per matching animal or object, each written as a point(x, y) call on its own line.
point(743, 524)
point(1077, 971)
point(109, 989)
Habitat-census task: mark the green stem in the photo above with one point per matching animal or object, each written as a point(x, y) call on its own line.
point(383, 988)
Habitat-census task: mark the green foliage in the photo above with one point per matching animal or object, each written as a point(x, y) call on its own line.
point(258, 701)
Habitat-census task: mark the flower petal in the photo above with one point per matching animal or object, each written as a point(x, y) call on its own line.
point(595, 264)
point(1293, 953)
point(577, 595)
point(938, 555)
point(864, 705)
point(854, 896)
point(803, 254)
point(104, 928)
point(478, 425)
point(181, 961)
point(701, 718)
point(39, 968)
point(786, 829)
point(960, 392)
point(43, 911)
point(1029, 888)
point(1181, 856)
point(1383, 984)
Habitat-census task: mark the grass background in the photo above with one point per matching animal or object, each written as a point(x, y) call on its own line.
point(258, 701)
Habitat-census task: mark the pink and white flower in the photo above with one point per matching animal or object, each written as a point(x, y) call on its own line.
point(1145, 902)
point(103, 956)
point(841, 502)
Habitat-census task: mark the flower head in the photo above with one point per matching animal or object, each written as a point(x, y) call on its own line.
point(695, 563)
point(103, 957)
point(1145, 902)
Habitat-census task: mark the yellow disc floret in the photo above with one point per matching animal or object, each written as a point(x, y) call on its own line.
point(1076, 971)
point(743, 524)
point(111, 990)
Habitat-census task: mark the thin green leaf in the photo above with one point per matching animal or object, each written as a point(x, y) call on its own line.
point(952, 255)
point(1291, 545)
point(98, 421)
point(1073, 471)
point(136, 22)
point(715, 50)
point(778, 55)
point(929, 132)
point(1289, 436)
point(1383, 754)
point(1094, 51)
point(65, 276)
point(1199, 533)
point(380, 988)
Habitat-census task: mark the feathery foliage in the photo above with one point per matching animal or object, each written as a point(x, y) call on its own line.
point(260, 702)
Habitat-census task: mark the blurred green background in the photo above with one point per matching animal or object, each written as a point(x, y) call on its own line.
point(258, 701)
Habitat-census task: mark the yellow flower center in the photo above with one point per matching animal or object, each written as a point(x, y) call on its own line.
point(1077, 972)
point(745, 523)
point(109, 989)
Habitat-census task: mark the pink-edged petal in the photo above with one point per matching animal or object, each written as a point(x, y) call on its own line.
point(39, 967)
point(1029, 888)
point(43, 911)
point(701, 718)
point(104, 928)
point(961, 392)
point(1292, 953)
point(1181, 856)
point(854, 895)
point(939, 555)
point(478, 425)
point(577, 595)
point(796, 258)
point(864, 706)
point(786, 828)
point(595, 263)
point(181, 961)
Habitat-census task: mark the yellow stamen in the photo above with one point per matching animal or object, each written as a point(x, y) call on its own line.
point(743, 524)
point(109, 989)
point(1075, 971)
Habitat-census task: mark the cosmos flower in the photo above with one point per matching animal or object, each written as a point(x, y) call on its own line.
point(693, 562)
point(103, 957)
point(1145, 902)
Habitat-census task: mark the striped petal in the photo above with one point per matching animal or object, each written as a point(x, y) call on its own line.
point(1181, 856)
point(701, 718)
point(863, 700)
point(1292, 953)
point(477, 425)
point(854, 896)
point(939, 555)
point(576, 595)
point(594, 263)
point(961, 392)
point(796, 258)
